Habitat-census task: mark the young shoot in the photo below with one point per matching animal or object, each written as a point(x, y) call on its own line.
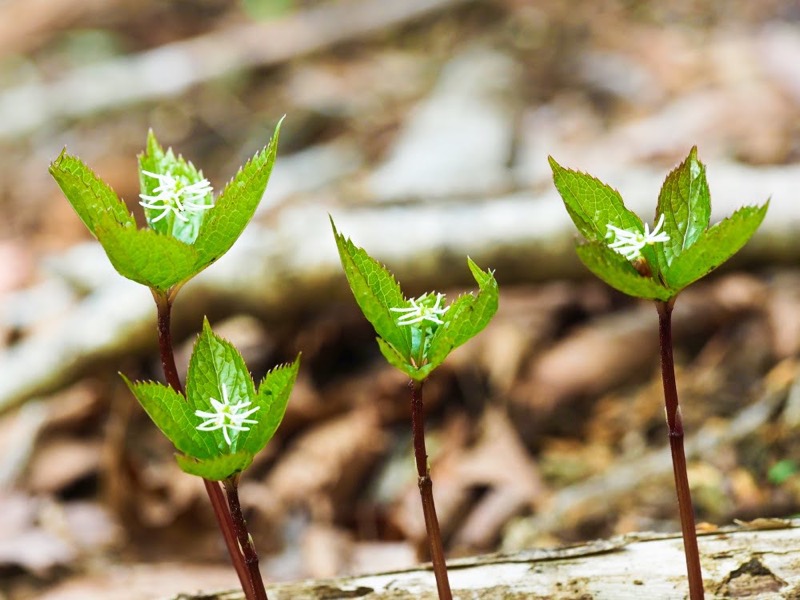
point(657, 265)
point(416, 335)
point(187, 230)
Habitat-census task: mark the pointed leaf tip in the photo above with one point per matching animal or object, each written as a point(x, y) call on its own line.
point(236, 204)
point(375, 290)
point(685, 203)
point(592, 205)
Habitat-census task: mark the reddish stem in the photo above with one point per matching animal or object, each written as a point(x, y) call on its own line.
point(675, 425)
point(245, 541)
point(426, 492)
point(213, 488)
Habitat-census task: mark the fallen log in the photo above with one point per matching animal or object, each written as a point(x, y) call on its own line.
point(759, 559)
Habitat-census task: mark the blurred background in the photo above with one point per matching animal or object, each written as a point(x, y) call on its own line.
point(423, 128)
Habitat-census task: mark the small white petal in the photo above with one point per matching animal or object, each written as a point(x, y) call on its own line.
point(226, 416)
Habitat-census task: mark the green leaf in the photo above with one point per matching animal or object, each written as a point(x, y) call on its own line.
point(686, 205)
point(397, 360)
point(375, 291)
point(155, 161)
point(174, 416)
point(619, 274)
point(782, 471)
point(592, 204)
point(715, 246)
point(272, 398)
point(147, 257)
point(465, 318)
point(236, 205)
point(217, 468)
point(93, 200)
point(218, 371)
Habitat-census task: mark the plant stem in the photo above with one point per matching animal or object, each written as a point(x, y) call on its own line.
point(245, 541)
point(213, 488)
point(675, 425)
point(426, 492)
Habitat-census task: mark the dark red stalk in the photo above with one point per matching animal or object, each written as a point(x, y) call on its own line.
point(213, 488)
point(245, 541)
point(675, 425)
point(426, 492)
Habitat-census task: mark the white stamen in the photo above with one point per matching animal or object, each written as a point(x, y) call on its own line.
point(226, 416)
point(630, 243)
point(421, 311)
point(172, 195)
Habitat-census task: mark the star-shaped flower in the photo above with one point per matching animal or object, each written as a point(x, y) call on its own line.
point(226, 416)
point(176, 195)
point(424, 308)
point(630, 243)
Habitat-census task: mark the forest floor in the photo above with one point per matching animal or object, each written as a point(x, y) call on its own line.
point(546, 429)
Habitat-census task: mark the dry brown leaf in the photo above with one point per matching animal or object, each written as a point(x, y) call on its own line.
point(325, 468)
point(590, 361)
point(326, 550)
point(446, 448)
point(145, 582)
point(477, 487)
point(74, 408)
point(167, 492)
point(40, 534)
point(60, 462)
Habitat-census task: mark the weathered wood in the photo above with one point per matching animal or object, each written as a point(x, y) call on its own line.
point(755, 560)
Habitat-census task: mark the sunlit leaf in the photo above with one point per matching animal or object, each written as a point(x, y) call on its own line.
point(272, 398)
point(146, 257)
point(217, 468)
point(174, 416)
point(235, 205)
point(218, 371)
point(466, 317)
point(93, 200)
point(715, 246)
point(592, 204)
point(686, 205)
point(376, 291)
point(619, 274)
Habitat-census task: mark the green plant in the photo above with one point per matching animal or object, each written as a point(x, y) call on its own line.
point(657, 265)
point(780, 472)
point(221, 420)
point(415, 336)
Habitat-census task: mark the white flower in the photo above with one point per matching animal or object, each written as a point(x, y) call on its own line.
point(422, 309)
point(630, 243)
point(173, 195)
point(226, 416)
